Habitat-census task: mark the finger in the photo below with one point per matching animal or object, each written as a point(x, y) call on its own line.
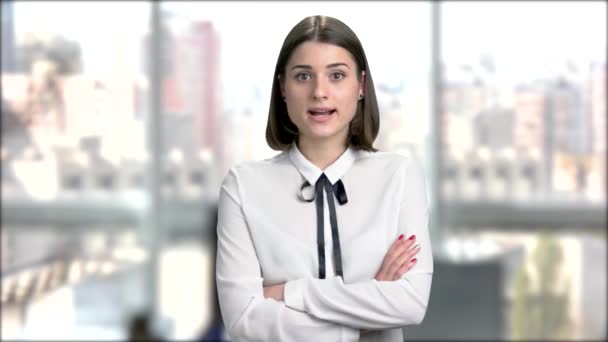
point(382, 273)
point(402, 260)
point(380, 276)
point(398, 248)
point(393, 250)
point(405, 268)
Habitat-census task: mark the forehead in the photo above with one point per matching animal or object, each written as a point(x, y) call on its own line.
point(320, 54)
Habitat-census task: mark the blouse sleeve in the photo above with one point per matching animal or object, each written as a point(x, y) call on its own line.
point(377, 304)
point(247, 315)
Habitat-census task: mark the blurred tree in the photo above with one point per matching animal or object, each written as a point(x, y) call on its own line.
point(46, 58)
point(65, 54)
point(541, 312)
point(44, 103)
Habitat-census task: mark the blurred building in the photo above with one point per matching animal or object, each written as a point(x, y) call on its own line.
point(494, 127)
point(597, 108)
point(529, 126)
point(597, 99)
point(191, 88)
point(565, 111)
point(192, 123)
point(569, 145)
point(8, 37)
point(206, 47)
point(462, 102)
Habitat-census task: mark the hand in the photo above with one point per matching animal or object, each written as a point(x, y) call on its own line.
point(398, 260)
point(274, 291)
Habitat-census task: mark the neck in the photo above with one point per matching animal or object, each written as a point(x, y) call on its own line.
point(322, 153)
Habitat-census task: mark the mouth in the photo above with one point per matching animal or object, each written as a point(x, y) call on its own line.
point(321, 112)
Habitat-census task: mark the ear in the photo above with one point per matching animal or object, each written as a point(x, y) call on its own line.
point(281, 84)
point(362, 83)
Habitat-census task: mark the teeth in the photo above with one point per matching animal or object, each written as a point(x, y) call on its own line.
point(322, 113)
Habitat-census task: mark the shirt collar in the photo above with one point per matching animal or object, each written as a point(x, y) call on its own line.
point(311, 172)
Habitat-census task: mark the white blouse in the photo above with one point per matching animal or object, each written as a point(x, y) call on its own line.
point(267, 234)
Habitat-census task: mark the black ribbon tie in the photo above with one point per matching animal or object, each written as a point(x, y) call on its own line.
point(340, 193)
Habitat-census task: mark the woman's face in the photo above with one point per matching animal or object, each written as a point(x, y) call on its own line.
point(321, 89)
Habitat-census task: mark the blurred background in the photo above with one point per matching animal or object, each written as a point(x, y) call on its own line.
point(120, 120)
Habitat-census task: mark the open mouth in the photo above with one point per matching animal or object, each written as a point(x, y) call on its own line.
point(321, 112)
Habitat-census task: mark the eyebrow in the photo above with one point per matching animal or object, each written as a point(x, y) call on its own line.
point(333, 65)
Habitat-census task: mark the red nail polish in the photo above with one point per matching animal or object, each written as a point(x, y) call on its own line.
point(412, 237)
point(400, 237)
point(413, 260)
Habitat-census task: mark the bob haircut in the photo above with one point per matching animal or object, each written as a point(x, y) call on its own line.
point(280, 130)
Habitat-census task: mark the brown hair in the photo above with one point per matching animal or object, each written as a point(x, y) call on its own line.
point(280, 130)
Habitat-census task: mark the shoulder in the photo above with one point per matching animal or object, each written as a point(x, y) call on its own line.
point(388, 161)
point(246, 169)
point(267, 164)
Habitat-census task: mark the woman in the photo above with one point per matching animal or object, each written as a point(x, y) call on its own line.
point(294, 265)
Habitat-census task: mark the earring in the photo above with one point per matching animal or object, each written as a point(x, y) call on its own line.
point(361, 96)
point(284, 98)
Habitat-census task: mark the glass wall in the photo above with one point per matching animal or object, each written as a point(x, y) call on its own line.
point(524, 102)
point(120, 120)
point(74, 162)
point(522, 186)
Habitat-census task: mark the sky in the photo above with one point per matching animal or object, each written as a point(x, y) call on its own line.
point(467, 24)
point(527, 39)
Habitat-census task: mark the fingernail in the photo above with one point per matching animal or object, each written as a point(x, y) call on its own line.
point(400, 237)
point(413, 260)
point(412, 237)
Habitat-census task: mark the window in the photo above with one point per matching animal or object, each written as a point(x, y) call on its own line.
point(109, 192)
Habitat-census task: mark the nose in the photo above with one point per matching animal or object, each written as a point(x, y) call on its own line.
point(321, 89)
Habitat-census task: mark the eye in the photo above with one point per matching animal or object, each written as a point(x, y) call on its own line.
point(337, 76)
point(302, 76)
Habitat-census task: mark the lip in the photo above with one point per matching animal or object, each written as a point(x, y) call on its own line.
point(321, 109)
point(321, 118)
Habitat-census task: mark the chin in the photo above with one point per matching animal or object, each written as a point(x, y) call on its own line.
point(322, 134)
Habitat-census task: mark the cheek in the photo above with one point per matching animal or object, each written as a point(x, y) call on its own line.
point(349, 101)
point(293, 104)
point(295, 97)
point(349, 94)
point(290, 111)
point(294, 108)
